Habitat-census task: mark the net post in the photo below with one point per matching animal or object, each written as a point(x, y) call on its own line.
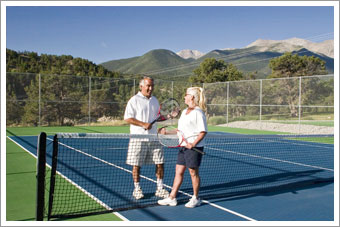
point(53, 175)
point(41, 170)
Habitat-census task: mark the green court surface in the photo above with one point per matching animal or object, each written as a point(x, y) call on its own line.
point(21, 169)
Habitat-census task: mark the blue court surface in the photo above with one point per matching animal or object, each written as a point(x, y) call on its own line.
point(234, 187)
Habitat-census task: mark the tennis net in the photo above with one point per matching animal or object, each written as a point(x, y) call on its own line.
point(90, 175)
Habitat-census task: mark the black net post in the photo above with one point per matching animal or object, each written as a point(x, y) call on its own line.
point(53, 176)
point(41, 167)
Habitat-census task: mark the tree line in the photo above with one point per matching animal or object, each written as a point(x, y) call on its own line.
point(285, 92)
point(31, 62)
point(61, 90)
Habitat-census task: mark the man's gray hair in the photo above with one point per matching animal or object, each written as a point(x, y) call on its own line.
point(141, 82)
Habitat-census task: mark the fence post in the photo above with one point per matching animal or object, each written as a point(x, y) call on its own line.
point(39, 123)
point(260, 100)
point(134, 86)
point(89, 100)
point(299, 102)
point(172, 89)
point(228, 102)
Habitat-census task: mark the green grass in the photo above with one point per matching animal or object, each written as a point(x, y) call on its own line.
point(20, 184)
point(326, 140)
point(28, 131)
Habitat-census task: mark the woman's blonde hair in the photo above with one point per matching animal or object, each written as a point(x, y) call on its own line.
point(199, 96)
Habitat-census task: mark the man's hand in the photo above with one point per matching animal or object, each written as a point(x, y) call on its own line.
point(145, 125)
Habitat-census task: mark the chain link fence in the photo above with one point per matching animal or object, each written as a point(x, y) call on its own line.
point(287, 100)
point(43, 100)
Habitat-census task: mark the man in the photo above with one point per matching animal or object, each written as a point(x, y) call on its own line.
point(142, 109)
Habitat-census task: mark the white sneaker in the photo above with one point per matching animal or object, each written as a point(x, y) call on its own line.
point(168, 201)
point(193, 202)
point(162, 193)
point(137, 193)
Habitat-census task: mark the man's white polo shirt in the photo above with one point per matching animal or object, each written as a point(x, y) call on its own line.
point(142, 109)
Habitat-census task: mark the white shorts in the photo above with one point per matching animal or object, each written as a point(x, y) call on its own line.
point(144, 152)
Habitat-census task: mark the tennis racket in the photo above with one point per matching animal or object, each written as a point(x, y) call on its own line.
point(173, 138)
point(168, 109)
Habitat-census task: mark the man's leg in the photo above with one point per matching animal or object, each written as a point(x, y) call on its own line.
point(160, 171)
point(160, 191)
point(137, 192)
point(135, 174)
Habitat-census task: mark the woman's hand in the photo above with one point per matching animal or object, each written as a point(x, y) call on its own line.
point(189, 146)
point(162, 131)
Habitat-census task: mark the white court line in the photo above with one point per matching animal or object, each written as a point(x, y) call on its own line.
point(228, 210)
point(22, 147)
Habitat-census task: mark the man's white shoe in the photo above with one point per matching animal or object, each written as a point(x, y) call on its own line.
point(193, 202)
point(162, 193)
point(168, 202)
point(137, 193)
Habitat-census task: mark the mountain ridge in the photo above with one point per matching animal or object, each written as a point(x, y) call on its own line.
point(254, 58)
point(195, 54)
point(326, 47)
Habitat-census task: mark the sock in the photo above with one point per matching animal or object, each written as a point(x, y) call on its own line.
point(137, 185)
point(194, 197)
point(159, 184)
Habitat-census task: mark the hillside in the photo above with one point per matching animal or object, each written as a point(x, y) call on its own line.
point(166, 64)
point(150, 63)
point(31, 62)
point(251, 59)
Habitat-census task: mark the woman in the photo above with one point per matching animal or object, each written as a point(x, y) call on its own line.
point(194, 126)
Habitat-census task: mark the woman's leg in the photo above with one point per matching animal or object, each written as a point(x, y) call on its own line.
point(180, 169)
point(195, 179)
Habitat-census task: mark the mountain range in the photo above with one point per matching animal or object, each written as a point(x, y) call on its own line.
point(254, 58)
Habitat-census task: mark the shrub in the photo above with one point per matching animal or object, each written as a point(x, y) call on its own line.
point(217, 120)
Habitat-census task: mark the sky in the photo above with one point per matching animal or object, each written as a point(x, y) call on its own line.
point(104, 33)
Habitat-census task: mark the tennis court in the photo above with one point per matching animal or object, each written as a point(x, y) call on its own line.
point(257, 177)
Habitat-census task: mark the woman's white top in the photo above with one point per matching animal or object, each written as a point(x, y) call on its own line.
point(192, 124)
